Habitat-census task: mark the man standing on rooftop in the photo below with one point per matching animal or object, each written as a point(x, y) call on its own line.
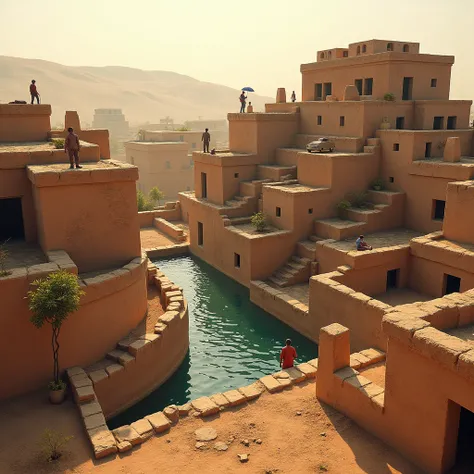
point(72, 147)
point(33, 92)
point(206, 138)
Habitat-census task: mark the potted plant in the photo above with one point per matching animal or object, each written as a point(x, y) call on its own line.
point(389, 97)
point(51, 302)
point(377, 184)
point(342, 208)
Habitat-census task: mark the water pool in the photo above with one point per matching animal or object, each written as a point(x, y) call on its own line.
point(232, 342)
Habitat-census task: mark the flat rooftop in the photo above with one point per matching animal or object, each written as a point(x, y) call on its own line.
point(466, 333)
point(21, 254)
point(33, 147)
point(400, 296)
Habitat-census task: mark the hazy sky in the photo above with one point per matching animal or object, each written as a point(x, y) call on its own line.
point(260, 43)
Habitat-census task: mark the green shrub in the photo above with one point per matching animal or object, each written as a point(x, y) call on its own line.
point(342, 208)
point(53, 300)
point(58, 143)
point(155, 195)
point(357, 199)
point(143, 203)
point(377, 184)
point(259, 221)
point(389, 97)
point(51, 444)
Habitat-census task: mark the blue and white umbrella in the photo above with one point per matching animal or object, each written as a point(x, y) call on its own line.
point(247, 89)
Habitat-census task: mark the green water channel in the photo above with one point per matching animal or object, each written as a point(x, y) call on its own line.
point(232, 342)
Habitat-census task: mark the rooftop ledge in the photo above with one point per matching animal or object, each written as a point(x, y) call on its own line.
point(264, 117)
point(226, 158)
point(25, 109)
point(95, 172)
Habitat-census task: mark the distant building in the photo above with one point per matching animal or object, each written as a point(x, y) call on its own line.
point(111, 119)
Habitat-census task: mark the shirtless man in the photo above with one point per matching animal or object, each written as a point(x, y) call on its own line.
point(72, 147)
point(206, 138)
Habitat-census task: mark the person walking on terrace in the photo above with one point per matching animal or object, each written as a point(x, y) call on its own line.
point(293, 97)
point(362, 245)
point(72, 147)
point(206, 138)
point(34, 92)
point(243, 102)
point(287, 355)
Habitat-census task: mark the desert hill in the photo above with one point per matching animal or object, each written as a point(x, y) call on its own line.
point(142, 95)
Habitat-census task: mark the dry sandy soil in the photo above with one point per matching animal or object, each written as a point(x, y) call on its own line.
point(318, 440)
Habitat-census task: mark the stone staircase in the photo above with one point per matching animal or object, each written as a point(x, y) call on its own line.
point(373, 145)
point(240, 206)
point(296, 270)
point(387, 213)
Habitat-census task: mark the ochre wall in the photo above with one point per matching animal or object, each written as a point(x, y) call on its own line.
point(97, 224)
point(109, 311)
point(458, 222)
point(24, 123)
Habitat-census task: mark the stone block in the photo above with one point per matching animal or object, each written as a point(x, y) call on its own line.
point(124, 446)
point(357, 381)
point(136, 347)
point(295, 375)
point(205, 406)
point(113, 369)
point(185, 410)
point(124, 344)
point(38, 272)
point(220, 400)
point(440, 346)
point(401, 327)
point(465, 364)
point(150, 337)
point(160, 328)
point(307, 369)
point(354, 363)
point(127, 433)
point(172, 413)
point(373, 355)
point(103, 442)
point(371, 390)
point(88, 409)
point(235, 397)
point(143, 428)
point(313, 362)
point(94, 421)
point(159, 422)
point(98, 375)
point(252, 391)
point(84, 394)
point(271, 384)
point(168, 317)
point(346, 373)
point(75, 371)
point(378, 402)
point(78, 381)
point(125, 359)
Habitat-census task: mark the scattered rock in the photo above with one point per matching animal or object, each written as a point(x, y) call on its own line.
point(245, 442)
point(168, 441)
point(258, 441)
point(252, 425)
point(243, 457)
point(200, 445)
point(322, 434)
point(185, 409)
point(124, 446)
point(220, 446)
point(298, 413)
point(205, 434)
point(172, 413)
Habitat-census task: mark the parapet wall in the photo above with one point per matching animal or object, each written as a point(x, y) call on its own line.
point(113, 304)
point(458, 224)
point(24, 123)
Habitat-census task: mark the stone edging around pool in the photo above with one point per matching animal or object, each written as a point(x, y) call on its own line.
point(123, 439)
point(99, 392)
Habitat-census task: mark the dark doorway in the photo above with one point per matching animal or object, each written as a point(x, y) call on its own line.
point(451, 125)
point(11, 216)
point(400, 124)
point(438, 209)
point(452, 284)
point(464, 451)
point(392, 278)
point(407, 88)
point(438, 123)
point(318, 92)
point(368, 86)
point(428, 150)
point(236, 260)
point(358, 84)
point(327, 89)
point(204, 185)
point(200, 234)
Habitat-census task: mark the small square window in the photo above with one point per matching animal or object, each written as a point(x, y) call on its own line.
point(236, 260)
point(236, 175)
point(438, 209)
point(391, 179)
point(434, 82)
point(342, 120)
point(320, 120)
point(310, 210)
point(278, 212)
point(396, 147)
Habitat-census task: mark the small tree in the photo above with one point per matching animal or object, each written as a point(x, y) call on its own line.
point(143, 202)
point(53, 300)
point(259, 221)
point(155, 195)
point(3, 259)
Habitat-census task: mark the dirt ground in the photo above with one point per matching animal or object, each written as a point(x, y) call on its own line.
point(319, 439)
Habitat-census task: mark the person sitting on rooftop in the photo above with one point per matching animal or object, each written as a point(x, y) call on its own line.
point(361, 244)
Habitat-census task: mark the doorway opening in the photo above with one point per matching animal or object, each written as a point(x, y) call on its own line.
point(438, 209)
point(451, 125)
point(11, 218)
point(204, 185)
point(392, 278)
point(428, 150)
point(318, 92)
point(327, 89)
point(438, 123)
point(200, 234)
point(464, 451)
point(452, 284)
point(407, 88)
point(358, 84)
point(400, 124)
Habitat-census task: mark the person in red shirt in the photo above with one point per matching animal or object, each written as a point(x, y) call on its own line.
point(33, 92)
point(287, 355)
